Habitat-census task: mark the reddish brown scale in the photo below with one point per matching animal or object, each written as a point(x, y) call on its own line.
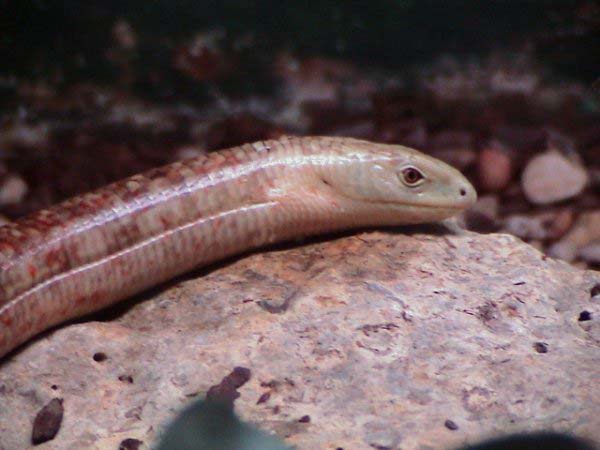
point(56, 257)
point(165, 221)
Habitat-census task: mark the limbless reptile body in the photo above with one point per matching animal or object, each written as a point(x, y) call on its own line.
point(95, 249)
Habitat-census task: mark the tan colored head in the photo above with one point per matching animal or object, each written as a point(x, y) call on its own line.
point(395, 184)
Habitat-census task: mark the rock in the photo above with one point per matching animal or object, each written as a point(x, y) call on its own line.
point(542, 226)
point(590, 253)
point(189, 151)
point(316, 80)
point(124, 35)
point(12, 190)
point(383, 339)
point(560, 223)
point(524, 227)
point(550, 177)
point(204, 58)
point(494, 167)
point(565, 250)
point(585, 231)
point(22, 135)
point(504, 82)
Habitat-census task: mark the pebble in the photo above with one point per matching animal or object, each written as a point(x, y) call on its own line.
point(189, 151)
point(525, 227)
point(544, 226)
point(12, 190)
point(550, 177)
point(585, 231)
point(565, 250)
point(124, 35)
point(495, 168)
point(563, 220)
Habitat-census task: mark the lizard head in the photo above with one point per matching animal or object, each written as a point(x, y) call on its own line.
point(397, 184)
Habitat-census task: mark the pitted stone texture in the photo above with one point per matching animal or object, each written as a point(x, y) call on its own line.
point(380, 338)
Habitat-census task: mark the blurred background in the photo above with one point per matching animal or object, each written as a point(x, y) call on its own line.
point(508, 92)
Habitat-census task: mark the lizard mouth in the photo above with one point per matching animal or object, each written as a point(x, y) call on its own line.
point(430, 205)
point(466, 198)
point(410, 213)
point(418, 206)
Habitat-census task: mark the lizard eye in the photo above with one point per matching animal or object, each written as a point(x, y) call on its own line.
point(411, 176)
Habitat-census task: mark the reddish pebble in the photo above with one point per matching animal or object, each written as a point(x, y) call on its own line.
point(495, 168)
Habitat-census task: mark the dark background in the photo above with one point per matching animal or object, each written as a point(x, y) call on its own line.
point(41, 37)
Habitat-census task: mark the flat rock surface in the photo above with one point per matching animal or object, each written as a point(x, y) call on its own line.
point(411, 339)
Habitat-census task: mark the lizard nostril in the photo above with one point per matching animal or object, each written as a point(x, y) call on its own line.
point(463, 191)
